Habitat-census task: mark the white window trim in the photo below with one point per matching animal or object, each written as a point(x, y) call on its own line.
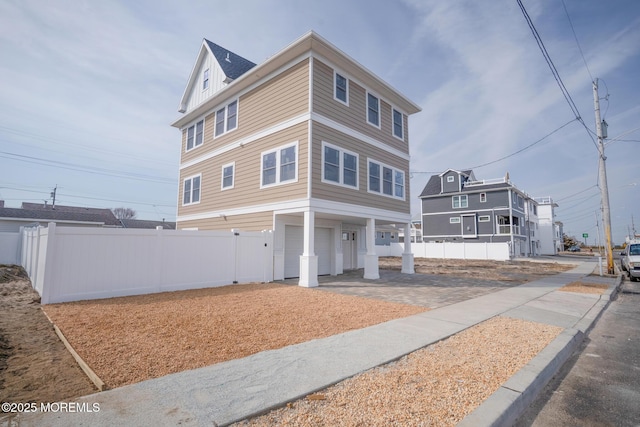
point(379, 110)
point(335, 86)
point(393, 125)
point(460, 201)
point(190, 178)
point(226, 117)
point(454, 220)
point(194, 124)
point(206, 82)
point(277, 150)
point(483, 196)
point(394, 170)
point(484, 218)
point(342, 151)
point(451, 178)
point(233, 176)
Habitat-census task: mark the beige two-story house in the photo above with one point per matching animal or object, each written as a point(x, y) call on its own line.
point(309, 144)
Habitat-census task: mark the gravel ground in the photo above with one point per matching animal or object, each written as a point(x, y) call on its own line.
point(131, 339)
point(436, 386)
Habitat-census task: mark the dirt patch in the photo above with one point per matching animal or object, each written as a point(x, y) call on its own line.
point(585, 288)
point(516, 271)
point(34, 365)
point(438, 385)
point(131, 339)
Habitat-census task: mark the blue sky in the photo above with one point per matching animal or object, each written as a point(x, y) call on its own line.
point(89, 90)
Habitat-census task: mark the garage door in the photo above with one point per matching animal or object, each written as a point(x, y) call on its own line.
point(293, 247)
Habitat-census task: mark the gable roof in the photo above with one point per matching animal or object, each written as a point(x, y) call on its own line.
point(309, 42)
point(32, 212)
point(232, 65)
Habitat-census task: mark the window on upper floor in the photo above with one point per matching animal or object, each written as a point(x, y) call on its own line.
point(454, 220)
point(483, 197)
point(339, 166)
point(398, 124)
point(341, 88)
point(195, 135)
point(279, 166)
point(191, 190)
point(459, 202)
point(373, 110)
point(205, 79)
point(227, 176)
point(451, 178)
point(227, 118)
point(386, 180)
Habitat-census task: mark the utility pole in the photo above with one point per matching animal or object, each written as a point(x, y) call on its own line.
point(602, 180)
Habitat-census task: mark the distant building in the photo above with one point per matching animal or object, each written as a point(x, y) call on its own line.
point(456, 207)
point(11, 219)
point(549, 230)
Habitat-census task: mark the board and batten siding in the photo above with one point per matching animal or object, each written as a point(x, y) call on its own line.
point(257, 221)
point(354, 115)
point(216, 82)
point(360, 196)
point(283, 97)
point(246, 190)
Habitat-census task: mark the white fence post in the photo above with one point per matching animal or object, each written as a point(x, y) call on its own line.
point(49, 285)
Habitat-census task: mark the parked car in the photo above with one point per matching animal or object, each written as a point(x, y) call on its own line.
point(630, 259)
point(574, 249)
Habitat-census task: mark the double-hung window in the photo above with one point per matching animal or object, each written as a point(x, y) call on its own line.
point(386, 180)
point(339, 166)
point(205, 79)
point(279, 166)
point(398, 124)
point(459, 202)
point(227, 176)
point(341, 88)
point(191, 190)
point(373, 110)
point(227, 118)
point(195, 134)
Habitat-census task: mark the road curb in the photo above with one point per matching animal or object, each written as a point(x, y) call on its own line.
point(505, 405)
point(509, 402)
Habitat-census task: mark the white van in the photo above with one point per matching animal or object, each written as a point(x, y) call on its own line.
point(630, 259)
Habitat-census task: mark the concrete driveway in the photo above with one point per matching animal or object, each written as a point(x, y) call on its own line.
point(426, 290)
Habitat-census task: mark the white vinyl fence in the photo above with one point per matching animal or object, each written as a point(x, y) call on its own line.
point(9, 247)
point(73, 263)
point(450, 250)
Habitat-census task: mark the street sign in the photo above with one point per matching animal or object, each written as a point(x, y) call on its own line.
point(585, 235)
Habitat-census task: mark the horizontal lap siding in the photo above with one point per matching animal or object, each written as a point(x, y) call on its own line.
point(365, 151)
point(354, 116)
point(281, 98)
point(246, 222)
point(246, 190)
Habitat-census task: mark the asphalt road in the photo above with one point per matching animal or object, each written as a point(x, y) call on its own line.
point(600, 384)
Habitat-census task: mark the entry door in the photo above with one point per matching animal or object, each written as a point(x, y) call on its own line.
point(349, 250)
point(469, 229)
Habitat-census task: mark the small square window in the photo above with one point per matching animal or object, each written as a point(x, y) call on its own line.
point(483, 197)
point(451, 178)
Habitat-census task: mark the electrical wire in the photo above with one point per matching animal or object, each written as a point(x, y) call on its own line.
point(577, 42)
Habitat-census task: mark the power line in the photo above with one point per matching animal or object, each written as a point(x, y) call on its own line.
point(576, 38)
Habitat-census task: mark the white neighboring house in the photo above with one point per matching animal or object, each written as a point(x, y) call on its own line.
point(549, 230)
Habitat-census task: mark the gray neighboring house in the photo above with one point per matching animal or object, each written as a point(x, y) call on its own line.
point(149, 224)
point(11, 219)
point(456, 207)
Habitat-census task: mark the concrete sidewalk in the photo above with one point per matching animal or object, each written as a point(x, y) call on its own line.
point(231, 391)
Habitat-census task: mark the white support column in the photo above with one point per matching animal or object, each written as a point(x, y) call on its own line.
point(309, 259)
point(407, 255)
point(371, 258)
